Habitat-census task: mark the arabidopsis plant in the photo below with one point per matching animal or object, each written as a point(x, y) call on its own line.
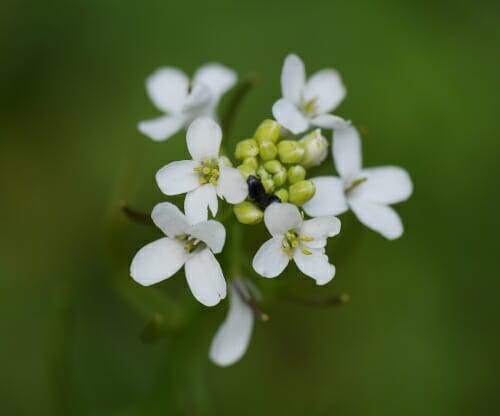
point(183, 100)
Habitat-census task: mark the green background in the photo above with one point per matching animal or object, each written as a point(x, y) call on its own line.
point(421, 333)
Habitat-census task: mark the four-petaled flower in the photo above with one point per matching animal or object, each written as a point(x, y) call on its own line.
point(183, 101)
point(233, 336)
point(294, 238)
point(367, 192)
point(206, 176)
point(308, 103)
point(187, 244)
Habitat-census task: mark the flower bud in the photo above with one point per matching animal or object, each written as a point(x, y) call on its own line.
point(290, 151)
point(246, 170)
point(268, 130)
point(296, 173)
point(273, 166)
point(246, 148)
point(262, 173)
point(315, 149)
point(268, 185)
point(279, 178)
point(301, 192)
point(282, 194)
point(248, 213)
point(251, 162)
point(268, 150)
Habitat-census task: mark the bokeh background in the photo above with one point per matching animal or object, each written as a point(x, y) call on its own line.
point(421, 333)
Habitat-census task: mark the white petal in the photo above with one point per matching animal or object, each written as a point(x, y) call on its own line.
point(157, 261)
point(205, 278)
point(212, 233)
point(168, 88)
point(330, 121)
point(387, 185)
point(233, 336)
point(169, 219)
point(178, 177)
point(347, 152)
point(321, 227)
point(231, 185)
point(326, 89)
point(315, 265)
point(380, 218)
point(161, 128)
point(197, 101)
point(289, 116)
point(329, 198)
point(281, 218)
point(198, 202)
point(270, 260)
point(293, 77)
point(216, 77)
point(203, 139)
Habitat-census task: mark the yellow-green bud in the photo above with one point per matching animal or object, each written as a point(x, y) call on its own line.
point(290, 151)
point(280, 177)
point(224, 161)
point(282, 194)
point(268, 185)
point(268, 130)
point(248, 213)
point(315, 149)
point(246, 170)
point(268, 150)
point(251, 161)
point(296, 173)
point(263, 173)
point(246, 148)
point(273, 166)
point(301, 192)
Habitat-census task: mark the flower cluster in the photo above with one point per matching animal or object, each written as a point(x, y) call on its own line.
point(269, 184)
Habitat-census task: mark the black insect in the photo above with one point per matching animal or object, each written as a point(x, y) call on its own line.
point(258, 194)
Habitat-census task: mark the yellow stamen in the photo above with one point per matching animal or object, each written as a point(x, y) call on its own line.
point(306, 251)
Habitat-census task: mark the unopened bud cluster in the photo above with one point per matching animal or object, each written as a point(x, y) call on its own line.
point(280, 165)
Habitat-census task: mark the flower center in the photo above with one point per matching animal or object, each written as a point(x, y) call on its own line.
point(208, 171)
point(354, 184)
point(309, 107)
point(190, 243)
point(293, 240)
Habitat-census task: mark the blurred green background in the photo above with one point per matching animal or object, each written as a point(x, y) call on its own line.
point(421, 334)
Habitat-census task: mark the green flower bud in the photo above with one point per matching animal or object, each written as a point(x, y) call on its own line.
point(268, 150)
point(273, 166)
point(224, 161)
point(263, 173)
point(282, 194)
point(301, 192)
point(246, 148)
point(290, 151)
point(315, 149)
point(268, 185)
point(248, 213)
point(268, 130)
point(251, 161)
point(246, 170)
point(280, 177)
point(296, 173)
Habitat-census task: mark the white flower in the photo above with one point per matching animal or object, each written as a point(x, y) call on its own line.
point(182, 101)
point(367, 192)
point(206, 176)
point(308, 103)
point(233, 336)
point(294, 238)
point(187, 244)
